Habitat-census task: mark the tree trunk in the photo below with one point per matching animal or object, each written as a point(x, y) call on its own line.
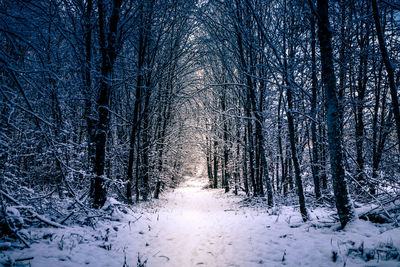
point(291, 128)
point(108, 47)
point(335, 135)
point(225, 172)
point(215, 160)
point(146, 142)
point(245, 166)
point(280, 147)
point(209, 161)
point(315, 146)
point(323, 155)
point(87, 91)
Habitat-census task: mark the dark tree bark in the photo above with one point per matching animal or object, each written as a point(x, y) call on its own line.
point(314, 91)
point(225, 172)
point(209, 161)
point(146, 146)
point(237, 169)
point(297, 171)
point(245, 166)
point(261, 162)
point(137, 170)
point(324, 152)
point(280, 147)
point(334, 111)
point(109, 46)
point(87, 84)
point(215, 161)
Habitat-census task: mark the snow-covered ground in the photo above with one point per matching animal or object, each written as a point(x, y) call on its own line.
point(192, 226)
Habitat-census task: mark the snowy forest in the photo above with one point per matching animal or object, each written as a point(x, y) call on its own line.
point(199, 132)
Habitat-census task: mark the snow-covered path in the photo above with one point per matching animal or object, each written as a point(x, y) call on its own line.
point(196, 227)
point(192, 226)
point(201, 227)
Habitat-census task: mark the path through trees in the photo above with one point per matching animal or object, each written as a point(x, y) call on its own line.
point(292, 101)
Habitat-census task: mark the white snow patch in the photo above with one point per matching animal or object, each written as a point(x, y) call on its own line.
point(192, 226)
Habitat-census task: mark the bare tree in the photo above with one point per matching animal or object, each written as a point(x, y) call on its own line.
point(335, 135)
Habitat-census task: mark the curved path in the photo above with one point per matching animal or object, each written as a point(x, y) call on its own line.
point(202, 227)
point(192, 226)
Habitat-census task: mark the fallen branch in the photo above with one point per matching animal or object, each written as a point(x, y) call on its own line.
point(45, 220)
point(66, 218)
point(25, 259)
point(377, 207)
point(34, 213)
point(10, 198)
point(381, 205)
point(21, 238)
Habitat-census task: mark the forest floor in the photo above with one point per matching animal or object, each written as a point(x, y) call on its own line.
point(194, 226)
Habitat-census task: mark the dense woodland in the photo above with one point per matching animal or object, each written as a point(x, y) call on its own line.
point(292, 101)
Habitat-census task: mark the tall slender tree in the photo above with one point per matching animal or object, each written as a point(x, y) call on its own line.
point(334, 114)
point(110, 42)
